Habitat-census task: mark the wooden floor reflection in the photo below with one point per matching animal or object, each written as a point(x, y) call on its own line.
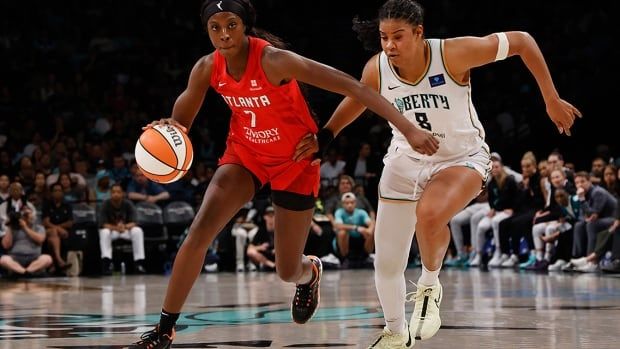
point(496, 309)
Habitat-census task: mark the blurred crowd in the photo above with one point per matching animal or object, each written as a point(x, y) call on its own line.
point(79, 82)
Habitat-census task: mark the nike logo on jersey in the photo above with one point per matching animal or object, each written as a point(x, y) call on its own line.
point(393, 87)
point(220, 84)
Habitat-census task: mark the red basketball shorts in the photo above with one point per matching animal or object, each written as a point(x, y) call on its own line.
point(290, 176)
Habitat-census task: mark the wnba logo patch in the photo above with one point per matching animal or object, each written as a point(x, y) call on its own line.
point(437, 80)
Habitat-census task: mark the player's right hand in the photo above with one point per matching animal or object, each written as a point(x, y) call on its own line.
point(421, 140)
point(166, 121)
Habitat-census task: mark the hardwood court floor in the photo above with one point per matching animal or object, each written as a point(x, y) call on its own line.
point(496, 309)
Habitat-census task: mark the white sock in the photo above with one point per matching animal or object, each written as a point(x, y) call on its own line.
point(393, 236)
point(548, 249)
point(428, 277)
point(539, 255)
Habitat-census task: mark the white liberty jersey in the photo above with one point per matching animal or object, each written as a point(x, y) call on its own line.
point(437, 103)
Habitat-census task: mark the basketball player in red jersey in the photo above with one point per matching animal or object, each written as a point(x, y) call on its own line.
point(269, 117)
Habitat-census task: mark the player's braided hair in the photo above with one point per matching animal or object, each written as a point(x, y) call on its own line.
point(367, 30)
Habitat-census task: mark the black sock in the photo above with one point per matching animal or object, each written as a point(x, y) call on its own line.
point(167, 321)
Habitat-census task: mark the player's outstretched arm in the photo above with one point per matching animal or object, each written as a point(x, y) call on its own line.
point(286, 65)
point(465, 53)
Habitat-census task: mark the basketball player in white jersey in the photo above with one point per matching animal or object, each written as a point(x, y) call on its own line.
point(428, 81)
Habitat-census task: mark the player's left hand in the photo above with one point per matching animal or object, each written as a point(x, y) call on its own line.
point(562, 114)
point(306, 147)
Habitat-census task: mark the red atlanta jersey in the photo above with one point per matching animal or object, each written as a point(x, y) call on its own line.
point(268, 120)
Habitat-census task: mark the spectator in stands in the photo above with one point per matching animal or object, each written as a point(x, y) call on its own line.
point(72, 191)
point(529, 200)
point(502, 190)
point(544, 170)
point(596, 171)
point(614, 265)
point(552, 212)
point(516, 175)
point(556, 160)
point(82, 168)
point(44, 164)
point(610, 180)
point(64, 167)
point(39, 193)
point(346, 184)
point(364, 167)
point(25, 174)
point(117, 219)
point(58, 223)
point(5, 163)
point(470, 216)
point(14, 203)
point(102, 190)
point(22, 240)
point(589, 263)
point(354, 230)
point(565, 212)
point(244, 230)
point(4, 187)
point(331, 168)
point(598, 207)
point(119, 172)
point(261, 249)
point(141, 188)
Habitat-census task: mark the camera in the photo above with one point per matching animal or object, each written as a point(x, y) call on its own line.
point(14, 217)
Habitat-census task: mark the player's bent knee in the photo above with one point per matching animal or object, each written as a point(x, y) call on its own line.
point(429, 219)
point(387, 268)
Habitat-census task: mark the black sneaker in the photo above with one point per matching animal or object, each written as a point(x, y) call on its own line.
point(154, 340)
point(307, 296)
point(139, 267)
point(107, 267)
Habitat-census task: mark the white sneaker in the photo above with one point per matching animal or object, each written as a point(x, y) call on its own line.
point(211, 268)
point(497, 260)
point(579, 262)
point(557, 266)
point(588, 268)
point(510, 262)
point(251, 266)
point(425, 320)
point(474, 261)
point(330, 259)
point(389, 340)
point(240, 268)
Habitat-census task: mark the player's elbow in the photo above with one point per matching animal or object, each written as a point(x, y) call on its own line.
point(520, 41)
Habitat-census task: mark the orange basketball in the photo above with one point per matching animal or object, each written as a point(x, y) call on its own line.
point(164, 153)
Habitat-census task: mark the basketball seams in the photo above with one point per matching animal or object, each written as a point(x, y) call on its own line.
point(156, 157)
point(171, 148)
point(167, 178)
point(189, 152)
